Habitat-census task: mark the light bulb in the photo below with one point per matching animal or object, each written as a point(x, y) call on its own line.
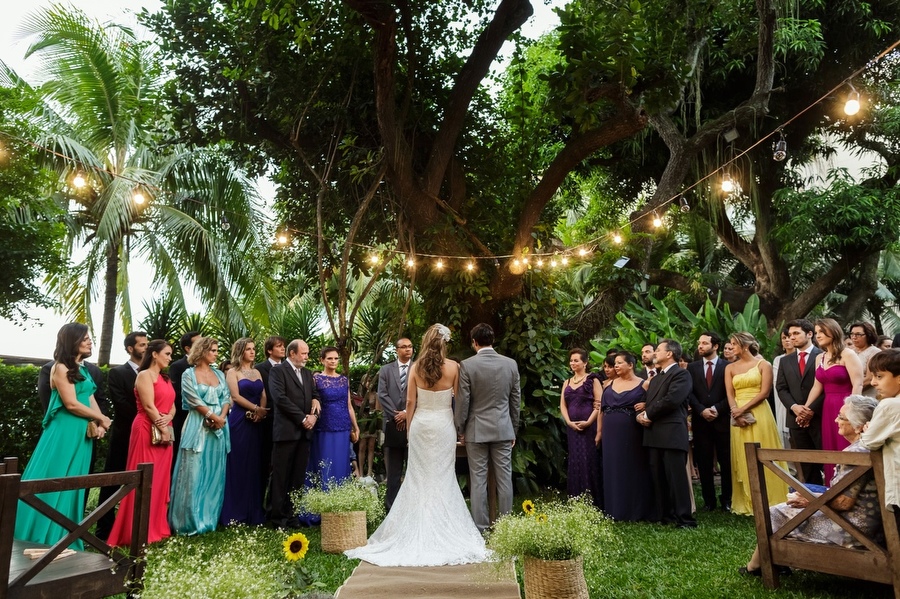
point(282, 238)
point(582, 252)
point(657, 221)
point(374, 259)
point(727, 184)
point(540, 262)
point(470, 266)
point(224, 223)
point(617, 238)
point(78, 181)
point(410, 263)
point(138, 198)
point(780, 152)
point(851, 107)
point(439, 265)
point(565, 261)
point(683, 204)
point(553, 264)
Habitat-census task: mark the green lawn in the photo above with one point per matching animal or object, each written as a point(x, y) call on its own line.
point(647, 560)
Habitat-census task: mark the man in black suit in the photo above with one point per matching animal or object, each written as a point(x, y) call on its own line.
point(796, 376)
point(296, 410)
point(121, 392)
point(275, 349)
point(176, 369)
point(666, 435)
point(392, 396)
point(711, 420)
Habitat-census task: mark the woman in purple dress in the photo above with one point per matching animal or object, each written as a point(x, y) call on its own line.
point(576, 404)
point(628, 488)
point(839, 373)
point(243, 483)
point(336, 430)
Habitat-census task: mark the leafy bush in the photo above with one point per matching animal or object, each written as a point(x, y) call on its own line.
point(555, 531)
point(20, 425)
point(347, 496)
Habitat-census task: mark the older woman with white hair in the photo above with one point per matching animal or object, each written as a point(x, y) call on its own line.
point(858, 504)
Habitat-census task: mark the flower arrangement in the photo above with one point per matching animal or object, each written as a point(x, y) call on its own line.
point(559, 530)
point(347, 496)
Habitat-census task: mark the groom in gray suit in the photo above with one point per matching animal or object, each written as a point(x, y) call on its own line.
point(487, 415)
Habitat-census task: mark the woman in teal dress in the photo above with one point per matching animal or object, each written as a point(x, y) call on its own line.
point(64, 448)
point(198, 485)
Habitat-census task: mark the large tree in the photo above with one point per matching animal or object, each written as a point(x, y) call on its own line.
point(188, 212)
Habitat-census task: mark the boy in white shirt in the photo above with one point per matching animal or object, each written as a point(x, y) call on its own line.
point(883, 431)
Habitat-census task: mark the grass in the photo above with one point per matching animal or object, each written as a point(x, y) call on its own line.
point(645, 561)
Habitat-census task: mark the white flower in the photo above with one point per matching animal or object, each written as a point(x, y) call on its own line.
point(444, 332)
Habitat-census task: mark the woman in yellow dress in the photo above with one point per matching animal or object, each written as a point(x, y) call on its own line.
point(748, 382)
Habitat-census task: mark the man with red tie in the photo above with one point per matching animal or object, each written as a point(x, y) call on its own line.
point(796, 376)
point(710, 420)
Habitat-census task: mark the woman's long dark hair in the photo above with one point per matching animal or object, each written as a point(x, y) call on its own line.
point(431, 356)
point(68, 339)
point(155, 346)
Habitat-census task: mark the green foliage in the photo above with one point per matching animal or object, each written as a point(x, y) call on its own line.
point(534, 338)
point(638, 326)
point(555, 530)
point(347, 496)
point(20, 425)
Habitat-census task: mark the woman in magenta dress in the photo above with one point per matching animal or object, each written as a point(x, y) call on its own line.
point(839, 373)
point(627, 486)
point(243, 500)
point(155, 408)
point(576, 404)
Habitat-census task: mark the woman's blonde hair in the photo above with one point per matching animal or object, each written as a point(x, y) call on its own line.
point(200, 346)
point(746, 341)
point(433, 351)
point(238, 349)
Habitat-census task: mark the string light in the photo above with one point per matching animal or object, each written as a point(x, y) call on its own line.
point(470, 266)
point(779, 149)
point(516, 263)
point(683, 205)
point(78, 181)
point(439, 265)
point(224, 223)
point(553, 263)
point(727, 183)
point(565, 261)
point(138, 198)
point(540, 263)
point(282, 238)
point(582, 252)
point(851, 107)
point(374, 259)
point(410, 263)
point(657, 221)
point(617, 238)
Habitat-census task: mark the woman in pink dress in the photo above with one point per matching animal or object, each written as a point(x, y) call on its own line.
point(839, 373)
point(155, 408)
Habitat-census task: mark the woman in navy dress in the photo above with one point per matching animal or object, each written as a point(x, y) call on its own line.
point(336, 430)
point(628, 488)
point(243, 483)
point(576, 404)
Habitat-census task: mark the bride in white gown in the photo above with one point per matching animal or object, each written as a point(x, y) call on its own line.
point(429, 523)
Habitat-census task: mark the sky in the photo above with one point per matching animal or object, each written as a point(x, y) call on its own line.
point(37, 338)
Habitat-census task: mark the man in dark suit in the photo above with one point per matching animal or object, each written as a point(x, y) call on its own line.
point(275, 350)
point(176, 369)
point(796, 376)
point(296, 410)
point(392, 396)
point(666, 435)
point(711, 420)
point(121, 392)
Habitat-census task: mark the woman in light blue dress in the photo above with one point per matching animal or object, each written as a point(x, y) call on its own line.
point(198, 485)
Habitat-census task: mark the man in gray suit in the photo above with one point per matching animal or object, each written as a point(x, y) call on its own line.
point(487, 415)
point(392, 396)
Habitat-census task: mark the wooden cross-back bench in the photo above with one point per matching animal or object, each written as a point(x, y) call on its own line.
point(872, 562)
point(86, 574)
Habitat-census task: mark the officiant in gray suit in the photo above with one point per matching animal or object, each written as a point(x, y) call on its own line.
point(487, 415)
point(392, 396)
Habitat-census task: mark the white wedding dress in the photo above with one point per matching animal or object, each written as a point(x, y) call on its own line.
point(429, 523)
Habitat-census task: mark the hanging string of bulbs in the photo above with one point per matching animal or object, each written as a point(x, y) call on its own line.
point(523, 261)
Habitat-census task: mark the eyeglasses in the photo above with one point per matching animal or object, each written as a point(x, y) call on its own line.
point(857, 334)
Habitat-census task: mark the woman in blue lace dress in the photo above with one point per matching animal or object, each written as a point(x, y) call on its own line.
point(336, 430)
point(243, 482)
point(198, 485)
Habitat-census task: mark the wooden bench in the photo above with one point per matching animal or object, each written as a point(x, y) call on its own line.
point(872, 562)
point(86, 574)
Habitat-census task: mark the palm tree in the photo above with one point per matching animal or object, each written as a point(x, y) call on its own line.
point(186, 211)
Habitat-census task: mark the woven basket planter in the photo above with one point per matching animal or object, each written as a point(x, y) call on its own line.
point(555, 579)
point(342, 531)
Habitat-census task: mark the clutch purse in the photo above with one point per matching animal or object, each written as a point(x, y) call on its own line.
point(93, 431)
point(156, 437)
point(748, 418)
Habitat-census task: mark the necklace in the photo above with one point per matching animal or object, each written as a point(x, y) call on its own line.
point(574, 382)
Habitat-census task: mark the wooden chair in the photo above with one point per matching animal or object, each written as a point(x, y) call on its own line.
point(872, 562)
point(86, 574)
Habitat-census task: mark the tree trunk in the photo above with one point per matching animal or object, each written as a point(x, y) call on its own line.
point(110, 294)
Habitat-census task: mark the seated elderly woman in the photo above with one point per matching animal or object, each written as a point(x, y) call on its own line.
point(858, 504)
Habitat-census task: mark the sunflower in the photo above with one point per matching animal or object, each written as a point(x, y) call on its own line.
point(541, 518)
point(295, 547)
point(528, 507)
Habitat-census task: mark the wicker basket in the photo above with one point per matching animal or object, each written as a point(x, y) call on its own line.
point(342, 531)
point(555, 579)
